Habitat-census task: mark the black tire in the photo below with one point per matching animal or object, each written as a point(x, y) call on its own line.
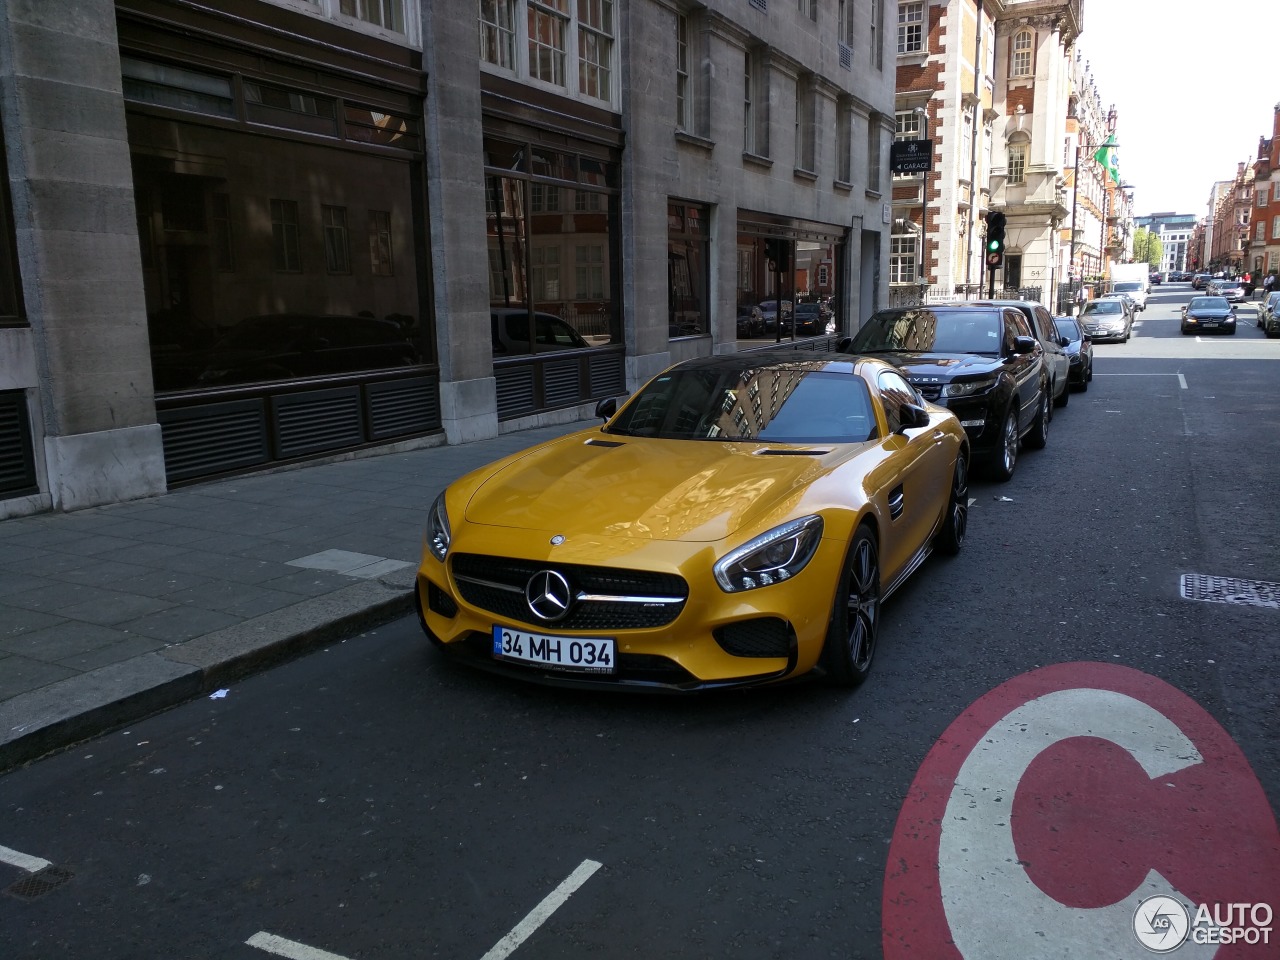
point(1084, 380)
point(955, 522)
point(1039, 435)
point(855, 615)
point(1005, 457)
point(1089, 378)
point(1065, 397)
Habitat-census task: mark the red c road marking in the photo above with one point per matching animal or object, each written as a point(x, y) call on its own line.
point(1057, 802)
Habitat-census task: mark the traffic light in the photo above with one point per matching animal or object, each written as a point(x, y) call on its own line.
point(995, 238)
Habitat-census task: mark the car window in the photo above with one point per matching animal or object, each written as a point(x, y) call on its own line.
point(895, 393)
point(1045, 323)
point(961, 330)
point(1068, 328)
point(1104, 306)
point(1019, 323)
point(779, 405)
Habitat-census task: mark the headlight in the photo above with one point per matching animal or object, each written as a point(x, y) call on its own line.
point(771, 557)
point(438, 536)
point(968, 388)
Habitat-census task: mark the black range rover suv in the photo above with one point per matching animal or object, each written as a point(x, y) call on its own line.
point(980, 362)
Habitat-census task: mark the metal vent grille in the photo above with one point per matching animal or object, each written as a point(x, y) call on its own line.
point(846, 57)
point(209, 439)
point(1253, 593)
point(317, 420)
point(763, 637)
point(560, 383)
point(515, 390)
point(17, 462)
point(399, 407)
point(607, 374)
point(39, 883)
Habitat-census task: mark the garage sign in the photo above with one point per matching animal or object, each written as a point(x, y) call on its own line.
point(1083, 810)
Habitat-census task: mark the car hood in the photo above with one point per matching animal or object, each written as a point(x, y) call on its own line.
point(944, 366)
point(1209, 313)
point(1090, 317)
point(646, 488)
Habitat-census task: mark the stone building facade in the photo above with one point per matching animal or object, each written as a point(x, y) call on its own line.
point(257, 232)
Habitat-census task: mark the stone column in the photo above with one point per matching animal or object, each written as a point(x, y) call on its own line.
point(77, 240)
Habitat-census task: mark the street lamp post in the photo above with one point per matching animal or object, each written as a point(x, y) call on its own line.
point(1075, 194)
point(923, 115)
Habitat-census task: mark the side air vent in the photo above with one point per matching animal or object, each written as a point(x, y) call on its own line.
point(218, 436)
point(808, 452)
point(317, 420)
point(594, 442)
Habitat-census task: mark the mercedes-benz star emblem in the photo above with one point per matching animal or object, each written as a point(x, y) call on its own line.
point(548, 595)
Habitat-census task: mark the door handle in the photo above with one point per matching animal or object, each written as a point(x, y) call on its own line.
point(938, 435)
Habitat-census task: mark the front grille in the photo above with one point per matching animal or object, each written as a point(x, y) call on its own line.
point(763, 637)
point(496, 584)
point(930, 391)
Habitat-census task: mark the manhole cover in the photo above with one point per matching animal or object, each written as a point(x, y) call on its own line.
point(1253, 593)
point(39, 883)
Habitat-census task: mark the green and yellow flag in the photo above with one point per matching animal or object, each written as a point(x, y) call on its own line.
point(1107, 156)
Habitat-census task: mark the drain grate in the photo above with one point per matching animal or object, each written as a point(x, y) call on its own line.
point(1253, 593)
point(39, 883)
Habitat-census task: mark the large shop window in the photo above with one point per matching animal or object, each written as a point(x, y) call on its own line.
point(787, 286)
point(11, 313)
point(553, 226)
point(688, 281)
point(255, 259)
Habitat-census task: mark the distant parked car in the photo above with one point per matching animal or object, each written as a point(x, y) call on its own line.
point(1107, 319)
point(1079, 350)
point(1208, 313)
point(810, 319)
point(1233, 290)
point(1269, 314)
point(510, 328)
point(1154, 278)
point(750, 321)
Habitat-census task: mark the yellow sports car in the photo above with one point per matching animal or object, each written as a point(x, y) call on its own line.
point(739, 520)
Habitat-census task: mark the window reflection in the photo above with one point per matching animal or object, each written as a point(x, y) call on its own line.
point(551, 251)
point(787, 289)
point(250, 271)
point(688, 253)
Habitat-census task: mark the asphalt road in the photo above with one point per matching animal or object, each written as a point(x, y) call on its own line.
point(374, 802)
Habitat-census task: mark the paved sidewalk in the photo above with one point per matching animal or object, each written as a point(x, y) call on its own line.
point(111, 613)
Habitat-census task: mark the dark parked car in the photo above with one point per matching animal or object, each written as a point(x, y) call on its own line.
point(1107, 320)
point(980, 362)
point(1208, 313)
point(1040, 320)
point(1269, 314)
point(510, 328)
point(1079, 351)
point(1154, 278)
point(750, 321)
point(810, 319)
point(286, 345)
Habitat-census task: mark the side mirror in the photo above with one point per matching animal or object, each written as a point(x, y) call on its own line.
point(1024, 345)
point(844, 344)
point(912, 416)
point(1064, 342)
point(607, 407)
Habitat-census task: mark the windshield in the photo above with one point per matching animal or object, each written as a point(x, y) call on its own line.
point(1128, 287)
point(929, 331)
point(779, 404)
point(1067, 328)
point(1104, 306)
point(1208, 303)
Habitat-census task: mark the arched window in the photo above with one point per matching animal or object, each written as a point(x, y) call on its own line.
point(1017, 166)
point(1020, 61)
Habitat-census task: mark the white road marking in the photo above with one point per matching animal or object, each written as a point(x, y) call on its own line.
point(289, 948)
point(1182, 381)
point(539, 914)
point(22, 861)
